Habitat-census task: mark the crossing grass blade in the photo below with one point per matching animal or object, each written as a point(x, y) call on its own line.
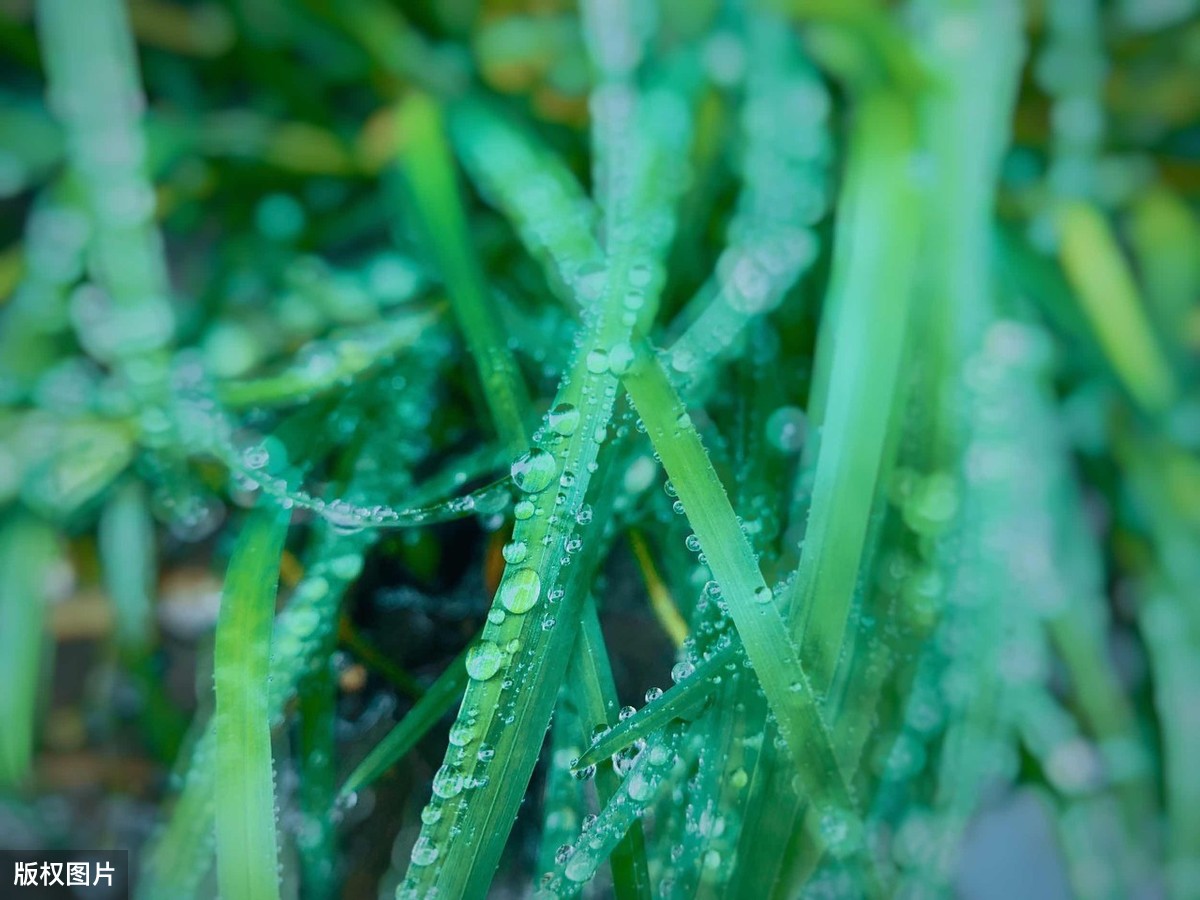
point(684, 702)
point(438, 700)
point(593, 692)
point(510, 697)
point(750, 601)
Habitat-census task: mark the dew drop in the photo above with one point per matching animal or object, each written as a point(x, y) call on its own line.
point(447, 782)
point(424, 853)
point(597, 362)
point(519, 592)
point(620, 358)
point(640, 787)
point(563, 419)
point(682, 670)
point(514, 551)
point(534, 470)
point(786, 429)
point(484, 660)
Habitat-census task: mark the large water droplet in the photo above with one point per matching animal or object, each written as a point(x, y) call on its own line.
point(484, 660)
point(424, 853)
point(519, 592)
point(563, 419)
point(534, 470)
point(447, 782)
point(597, 361)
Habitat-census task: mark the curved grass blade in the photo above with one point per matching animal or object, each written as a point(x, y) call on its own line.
point(181, 854)
point(771, 244)
point(323, 365)
point(316, 838)
point(247, 850)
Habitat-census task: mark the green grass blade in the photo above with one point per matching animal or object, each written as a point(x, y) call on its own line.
point(429, 175)
point(324, 365)
point(593, 692)
point(426, 713)
point(316, 838)
point(28, 554)
point(247, 850)
point(637, 792)
point(865, 331)
point(749, 600)
point(459, 848)
point(1105, 288)
point(683, 702)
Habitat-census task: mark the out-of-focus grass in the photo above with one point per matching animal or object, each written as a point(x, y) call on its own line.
point(835, 361)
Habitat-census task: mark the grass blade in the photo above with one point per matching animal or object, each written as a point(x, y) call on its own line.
point(247, 850)
point(750, 602)
point(28, 553)
point(426, 712)
point(429, 176)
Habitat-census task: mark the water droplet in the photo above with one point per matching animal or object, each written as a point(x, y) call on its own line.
point(682, 670)
point(514, 551)
point(447, 782)
point(620, 358)
point(524, 509)
point(786, 429)
point(653, 694)
point(597, 361)
point(534, 470)
point(626, 712)
point(519, 591)
point(579, 867)
point(431, 814)
point(763, 594)
point(639, 787)
point(484, 660)
point(564, 419)
point(424, 853)
point(640, 274)
point(840, 831)
point(693, 543)
point(462, 733)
